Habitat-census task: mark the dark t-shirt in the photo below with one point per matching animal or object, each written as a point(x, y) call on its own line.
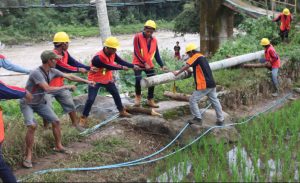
point(176, 48)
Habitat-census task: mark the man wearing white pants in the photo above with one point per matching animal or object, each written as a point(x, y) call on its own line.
point(205, 85)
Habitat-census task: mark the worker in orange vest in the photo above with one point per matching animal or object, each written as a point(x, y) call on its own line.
point(285, 18)
point(205, 85)
point(273, 61)
point(66, 64)
point(145, 49)
point(106, 61)
point(8, 92)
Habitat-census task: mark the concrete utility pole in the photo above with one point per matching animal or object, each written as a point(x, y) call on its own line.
point(103, 19)
point(222, 64)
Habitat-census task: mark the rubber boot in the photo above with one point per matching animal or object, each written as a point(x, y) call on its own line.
point(151, 103)
point(124, 114)
point(137, 101)
point(195, 120)
point(220, 123)
point(83, 121)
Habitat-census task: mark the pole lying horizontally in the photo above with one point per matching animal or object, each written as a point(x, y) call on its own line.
point(226, 63)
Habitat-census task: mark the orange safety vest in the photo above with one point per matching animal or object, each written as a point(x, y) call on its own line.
point(103, 75)
point(1, 127)
point(147, 54)
point(285, 22)
point(59, 81)
point(275, 63)
point(199, 75)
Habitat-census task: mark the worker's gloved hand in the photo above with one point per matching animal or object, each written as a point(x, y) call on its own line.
point(147, 66)
point(92, 83)
point(71, 87)
point(82, 70)
point(175, 73)
point(262, 60)
point(164, 68)
point(269, 65)
point(94, 69)
point(136, 68)
point(28, 96)
point(125, 68)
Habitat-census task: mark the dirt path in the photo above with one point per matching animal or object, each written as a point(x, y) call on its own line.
point(82, 49)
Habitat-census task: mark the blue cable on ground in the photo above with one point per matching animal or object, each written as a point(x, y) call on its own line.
point(119, 164)
point(94, 128)
point(140, 162)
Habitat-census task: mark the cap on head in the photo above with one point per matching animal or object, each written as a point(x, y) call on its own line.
point(286, 11)
point(151, 24)
point(264, 42)
point(112, 42)
point(48, 55)
point(61, 37)
point(190, 47)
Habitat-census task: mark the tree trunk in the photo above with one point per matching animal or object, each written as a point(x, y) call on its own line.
point(177, 96)
point(105, 30)
point(103, 19)
point(141, 110)
point(168, 77)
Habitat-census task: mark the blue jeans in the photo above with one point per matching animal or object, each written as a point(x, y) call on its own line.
point(92, 94)
point(5, 172)
point(275, 78)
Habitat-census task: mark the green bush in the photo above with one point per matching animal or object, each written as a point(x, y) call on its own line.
point(188, 20)
point(261, 28)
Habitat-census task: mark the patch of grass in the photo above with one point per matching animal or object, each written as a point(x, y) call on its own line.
point(109, 145)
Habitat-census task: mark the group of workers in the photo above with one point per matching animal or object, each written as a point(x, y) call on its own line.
point(47, 82)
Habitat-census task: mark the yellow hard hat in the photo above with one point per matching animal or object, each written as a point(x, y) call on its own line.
point(286, 11)
point(150, 23)
point(190, 47)
point(264, 42)
point(61, 37)
point(112, 42)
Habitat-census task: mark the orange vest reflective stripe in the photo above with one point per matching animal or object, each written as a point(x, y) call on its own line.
point(104, 75)
point(147, 55)
point(274, 63)
point(59, 81)
point(285, 22)
point(1, 127)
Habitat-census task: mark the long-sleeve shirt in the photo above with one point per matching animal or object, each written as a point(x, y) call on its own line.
point(137, 52)
point(11, 92)
point(71, 66)
point(12, 67)
point(278, 18)
point(99, 64)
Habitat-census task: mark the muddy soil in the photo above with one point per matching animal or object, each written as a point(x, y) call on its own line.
point(82, 49)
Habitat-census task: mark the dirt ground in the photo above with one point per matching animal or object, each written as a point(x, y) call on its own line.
point(28, 55)
point(139, 144)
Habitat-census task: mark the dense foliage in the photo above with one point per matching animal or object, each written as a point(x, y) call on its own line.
point(18, 25)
